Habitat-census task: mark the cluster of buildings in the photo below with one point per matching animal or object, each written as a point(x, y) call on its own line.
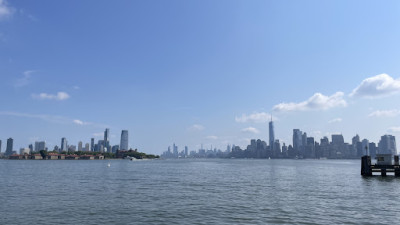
point(102, 146)
point(303, 146)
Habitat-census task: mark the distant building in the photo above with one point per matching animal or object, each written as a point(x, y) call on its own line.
point(87, 148)
point(115, 148)
point(92, 147)
point(124, 140)
point(387, 145)
point(297, 140)
point(271, 135)
point(365, 146)
point(186, 151)
point(106, 138)
point(0, 146)
point(9, 149)
point(40, 145)
point(64, 144)
point(80, 146)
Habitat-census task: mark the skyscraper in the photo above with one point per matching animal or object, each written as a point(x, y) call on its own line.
point(40, 145)
point(92, 144)
point(64, 144)
point(297, 139)
point(124, 140)
point(107, 139)
point(387, 145)
point(80, 146)
point(0, 146)
point(10, 143)
point(271, 135)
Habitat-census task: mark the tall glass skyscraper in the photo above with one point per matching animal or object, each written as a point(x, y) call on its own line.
point(124, 140)
point(271, 135)
point(10, 143)
point(64, 144)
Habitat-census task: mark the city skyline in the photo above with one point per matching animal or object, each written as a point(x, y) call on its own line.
point(211, 73)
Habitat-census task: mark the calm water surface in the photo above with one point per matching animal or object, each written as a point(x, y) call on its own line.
point(213, 191)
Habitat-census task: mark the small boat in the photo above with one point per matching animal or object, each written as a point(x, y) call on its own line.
point(109, 164)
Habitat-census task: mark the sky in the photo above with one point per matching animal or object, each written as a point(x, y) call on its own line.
point(197, 72)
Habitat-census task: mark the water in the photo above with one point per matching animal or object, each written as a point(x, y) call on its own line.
point(213, 191)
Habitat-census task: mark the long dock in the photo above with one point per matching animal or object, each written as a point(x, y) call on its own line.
point(367, 169)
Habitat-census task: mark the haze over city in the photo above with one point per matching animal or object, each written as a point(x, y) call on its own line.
point(209, 72)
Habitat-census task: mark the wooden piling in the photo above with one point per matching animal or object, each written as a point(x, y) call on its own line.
point(366, 166)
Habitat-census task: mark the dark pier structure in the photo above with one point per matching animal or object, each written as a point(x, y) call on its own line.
point(383, 166)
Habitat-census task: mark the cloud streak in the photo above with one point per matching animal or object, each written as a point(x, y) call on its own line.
point(60, 96)
point(5, 10)
point(256, 117)
point(336, 120)
point(381, 85)
point(25, 79)
point(385, 113)
point(316, 102)
point(251, 130)
point(196, 127)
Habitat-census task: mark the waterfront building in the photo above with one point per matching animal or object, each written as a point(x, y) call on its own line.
point(186, 151)
point(271, 135)
point(40, 145)
point(9, 149)
point(80, 146)
point(365, 145)
point(64, 144)
point(115, 148)
point(92, 146)
point(87, 148)
point(297, 140)
point(23, 151)
point(124, 140)
point(106, 138)
point(372, 149)
point(387, 145)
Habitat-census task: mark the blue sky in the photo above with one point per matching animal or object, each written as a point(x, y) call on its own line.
point(194, 72)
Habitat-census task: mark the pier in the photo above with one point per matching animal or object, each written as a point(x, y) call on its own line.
point(383, 165)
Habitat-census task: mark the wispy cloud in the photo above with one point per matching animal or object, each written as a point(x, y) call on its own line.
point(316, 102)
point(377, 86)
point(385, 113)
point(25, 79)
point(212, 137)
point(196, 127)
point(251, 130)
point(336, 120)
point(6, 11)
point(256, 117)
point(80, 122)
point(59, 96)
point(394, 129)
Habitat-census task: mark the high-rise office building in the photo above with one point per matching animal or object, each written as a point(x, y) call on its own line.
point(107, 138)
point(297, 139)
point(0, 146)
point(80, 146)
point(9, 149)
point(387, 145)
point(92, 147)
point(124, 140)
point(87, 148)
point(271, 135)
point(64, 144)
point(186, 151)
point(40, 145)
